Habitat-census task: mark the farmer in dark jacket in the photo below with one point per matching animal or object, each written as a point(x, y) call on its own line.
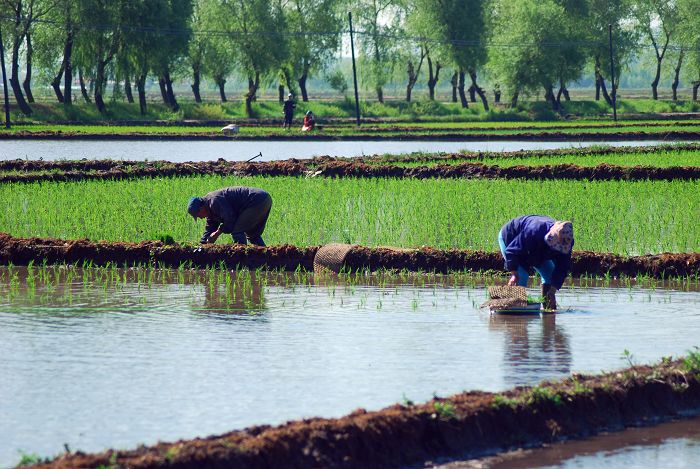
point(239, 211)
point(542, 243)
point(288, 109)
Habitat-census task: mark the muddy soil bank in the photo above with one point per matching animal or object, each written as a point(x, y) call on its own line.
point(462, 426)
point(362, 136)
point(213, 165)
point(345, 169)
point(21, 251)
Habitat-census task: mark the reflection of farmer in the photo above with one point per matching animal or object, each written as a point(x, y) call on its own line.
point(532, 354)
point(239, 211)
point(309, 122)
point(540, 242)
point(288, 108)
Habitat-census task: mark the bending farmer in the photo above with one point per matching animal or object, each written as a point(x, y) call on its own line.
point(540, 242)
point(239, 211)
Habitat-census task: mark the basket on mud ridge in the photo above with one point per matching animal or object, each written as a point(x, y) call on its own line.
point(510, 300)
point(331, 257)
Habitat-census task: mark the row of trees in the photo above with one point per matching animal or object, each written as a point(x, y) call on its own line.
point(525, 46)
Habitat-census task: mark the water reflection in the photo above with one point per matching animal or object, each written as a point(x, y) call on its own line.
point(238, 298)
point(535, 345)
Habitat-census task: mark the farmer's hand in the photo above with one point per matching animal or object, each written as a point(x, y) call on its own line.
point(513, 279)
point(214, 236)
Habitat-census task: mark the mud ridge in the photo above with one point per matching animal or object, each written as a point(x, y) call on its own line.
point(21, 251)
point(455, 136)
point(345, 169)
point(462, 426)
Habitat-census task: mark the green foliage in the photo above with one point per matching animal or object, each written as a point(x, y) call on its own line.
point(692, 361)
point(444, 409)
point(502, 401)
point(543, 394)
point(337, 81)
point(399, 212)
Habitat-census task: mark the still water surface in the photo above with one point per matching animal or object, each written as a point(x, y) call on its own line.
point(179, 151)
point(105, 363)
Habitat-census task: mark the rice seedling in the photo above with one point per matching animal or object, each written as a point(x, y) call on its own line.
point(627, 218)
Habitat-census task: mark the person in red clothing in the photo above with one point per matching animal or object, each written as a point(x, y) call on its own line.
point(309, 122)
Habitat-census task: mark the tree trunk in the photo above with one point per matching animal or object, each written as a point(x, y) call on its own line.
point(14, 82)
point(597, 88)
point(68, 70)
point(253, 84)
point(27, 83)
point(380, 94)
point(514, 98)
point(141, 87)
point(56, 83)
point(472, 93)
point(454, 82)
point(497, 94)
point(655, 83)
point(221, 82)
point(280, 93)
point(83, 89)
point(549, 97)
point(411, 72)
point(163, 91)
point(565, 91)
point(302, 85)
point(460, 87)
point(99, 86)
point(677, 71)
point(696, 85)
point(196, 80)
point(478, 90)
point(169, 90)
point(432, 79)
point(127, 90)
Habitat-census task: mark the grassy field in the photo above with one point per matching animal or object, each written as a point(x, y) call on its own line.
point(621, 217)
point(661, 159)
point(427, 131)
point(345, 108)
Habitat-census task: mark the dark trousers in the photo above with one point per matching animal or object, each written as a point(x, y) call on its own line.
point(251, 223)
point(288, 116)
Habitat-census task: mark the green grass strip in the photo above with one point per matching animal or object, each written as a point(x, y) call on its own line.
point(627, 218)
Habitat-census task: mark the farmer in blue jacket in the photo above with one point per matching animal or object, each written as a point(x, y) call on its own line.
point(541, 243)
point(239, 211)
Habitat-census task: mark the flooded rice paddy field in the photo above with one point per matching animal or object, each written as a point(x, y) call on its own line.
point(667, 445)
point(101, 358)
point(180, 151)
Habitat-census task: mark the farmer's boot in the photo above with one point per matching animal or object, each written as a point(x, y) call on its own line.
point(549, 301)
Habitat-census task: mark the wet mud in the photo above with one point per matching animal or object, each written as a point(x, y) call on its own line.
point(408, 135)
point(21, 251)
point(463, 426)
point(21, 171)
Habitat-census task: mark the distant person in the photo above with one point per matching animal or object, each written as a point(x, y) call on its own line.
point(239, 211)
point(288, 109)
point(309, 122)
point(542, 243)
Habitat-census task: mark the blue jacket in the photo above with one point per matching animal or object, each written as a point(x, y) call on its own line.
point(525, 246)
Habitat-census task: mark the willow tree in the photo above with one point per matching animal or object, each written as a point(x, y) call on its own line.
point(528, 54)
point(461, 25)
point(252, 28)
point(689, 35)
point(315, 38)
point(378, 24)
point(601, 15)
point(658, 19)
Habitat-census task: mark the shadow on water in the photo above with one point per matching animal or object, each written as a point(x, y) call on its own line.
point(533, 343)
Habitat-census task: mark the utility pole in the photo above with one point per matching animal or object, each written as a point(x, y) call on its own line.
point(612, 74)
point(354, 71)
point(4, 80)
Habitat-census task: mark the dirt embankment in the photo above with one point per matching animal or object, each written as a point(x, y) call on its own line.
point(462, 426)
point(21, 251)
point(456, 136)
point(328, 167)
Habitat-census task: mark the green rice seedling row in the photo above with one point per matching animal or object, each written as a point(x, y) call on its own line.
point(627, 218)
point(661, 159)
